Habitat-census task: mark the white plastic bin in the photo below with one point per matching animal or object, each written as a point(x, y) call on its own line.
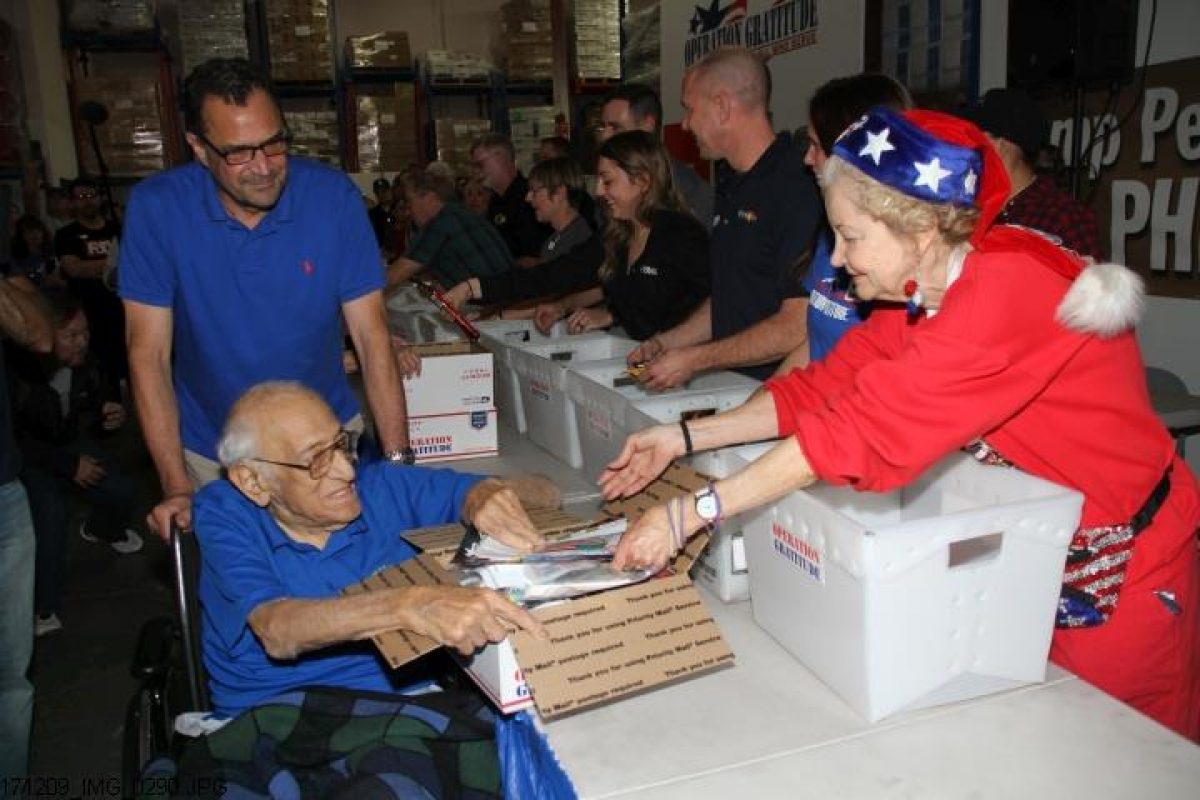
point(408, 298)
point(934, 593)
point(607, 414)
point(722, 567)
point(541, 371)
point(500, 336)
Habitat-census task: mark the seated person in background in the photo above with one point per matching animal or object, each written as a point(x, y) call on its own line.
point(451, 243)
point(655, 270)
point(60, 407)
point(295, 523)
point(556, 191)
point(476, 196)
point(1019, 130)
point(509, 211)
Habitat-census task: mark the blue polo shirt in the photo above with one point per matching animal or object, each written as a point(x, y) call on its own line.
point(763, 219)
point(831, 311)
point(248, 560)
point(249, 305)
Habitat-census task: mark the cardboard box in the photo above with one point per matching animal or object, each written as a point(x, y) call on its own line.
point(450, 437)
point(601, 648)
point(451, 404)
point(937, 592)
point(384, 50)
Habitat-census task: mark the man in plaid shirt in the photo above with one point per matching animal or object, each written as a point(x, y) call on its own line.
point(1019, 130)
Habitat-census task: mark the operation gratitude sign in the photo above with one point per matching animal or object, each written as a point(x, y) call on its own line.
point(806, 41)
point(786, 26)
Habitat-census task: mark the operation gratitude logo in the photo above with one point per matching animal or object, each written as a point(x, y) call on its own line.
point(783, 26)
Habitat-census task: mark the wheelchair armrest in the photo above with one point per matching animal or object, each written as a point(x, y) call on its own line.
point(156, 640)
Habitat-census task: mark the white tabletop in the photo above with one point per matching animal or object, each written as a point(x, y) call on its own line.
point(767, 727)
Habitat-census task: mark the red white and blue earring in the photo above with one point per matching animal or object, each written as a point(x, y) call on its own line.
point(916, 300)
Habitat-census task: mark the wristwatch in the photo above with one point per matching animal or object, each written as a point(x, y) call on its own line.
point(403, 455)
point(708, 505)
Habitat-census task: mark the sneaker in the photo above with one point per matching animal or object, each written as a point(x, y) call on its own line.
point(46, 623)
point(130, 544)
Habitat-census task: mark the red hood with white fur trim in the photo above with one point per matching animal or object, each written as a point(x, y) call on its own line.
point(1104, 299)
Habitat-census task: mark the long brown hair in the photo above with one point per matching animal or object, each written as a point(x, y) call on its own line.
point(641, 156)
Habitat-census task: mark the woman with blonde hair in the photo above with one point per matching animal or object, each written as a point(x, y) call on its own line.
point(1007, 345)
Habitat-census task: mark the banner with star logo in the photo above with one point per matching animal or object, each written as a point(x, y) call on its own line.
point(806, 42)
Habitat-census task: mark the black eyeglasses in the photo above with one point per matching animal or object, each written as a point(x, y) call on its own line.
point(346, 443)
point(239, 156)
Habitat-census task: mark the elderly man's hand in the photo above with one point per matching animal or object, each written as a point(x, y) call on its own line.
point(495, 509)
point(467, 619)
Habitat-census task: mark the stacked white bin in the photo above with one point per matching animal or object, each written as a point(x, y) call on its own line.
point(722, 568)
point(542, 373)
point(501, 336)
point(937, 592)
point(606, 414)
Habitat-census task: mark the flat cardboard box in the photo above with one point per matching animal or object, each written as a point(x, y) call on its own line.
point(601, 647)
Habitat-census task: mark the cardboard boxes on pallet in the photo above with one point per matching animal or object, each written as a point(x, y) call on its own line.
point(299, 40)
point(455, 68)
point(385, 50)
point(601, 647)
point(315, 135)
point(211, 29)
point(454, 138)
point(526, 40)
point(598, 39)
point(132, 138)
point(385, 126)
point(527, 127)
point(110, 17)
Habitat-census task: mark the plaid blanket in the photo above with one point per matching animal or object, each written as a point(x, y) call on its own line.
point(327, 743)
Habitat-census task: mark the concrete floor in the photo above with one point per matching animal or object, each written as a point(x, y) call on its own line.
point(81, 673)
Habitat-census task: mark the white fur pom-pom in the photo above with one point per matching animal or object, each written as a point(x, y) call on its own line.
point(1105, 299)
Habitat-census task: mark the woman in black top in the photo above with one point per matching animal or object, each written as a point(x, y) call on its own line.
point(655, 269)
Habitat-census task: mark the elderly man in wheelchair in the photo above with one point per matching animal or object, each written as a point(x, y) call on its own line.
point(295, 522)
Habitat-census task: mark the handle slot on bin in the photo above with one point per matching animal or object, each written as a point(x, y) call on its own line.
point(562, 355)
point(974, 552)
point(696, 413)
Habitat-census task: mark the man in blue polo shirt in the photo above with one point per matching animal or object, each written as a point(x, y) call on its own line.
point(766, 210)
point(240, 267)
point(295, 524)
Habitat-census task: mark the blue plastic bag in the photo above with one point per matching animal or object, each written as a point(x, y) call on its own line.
point(529, 768)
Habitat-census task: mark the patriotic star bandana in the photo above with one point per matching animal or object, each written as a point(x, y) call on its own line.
point(930, 156)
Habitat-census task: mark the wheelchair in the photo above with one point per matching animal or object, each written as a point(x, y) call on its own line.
point(166, 663)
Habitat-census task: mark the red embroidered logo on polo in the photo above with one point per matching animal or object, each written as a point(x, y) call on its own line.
point(307, 266)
